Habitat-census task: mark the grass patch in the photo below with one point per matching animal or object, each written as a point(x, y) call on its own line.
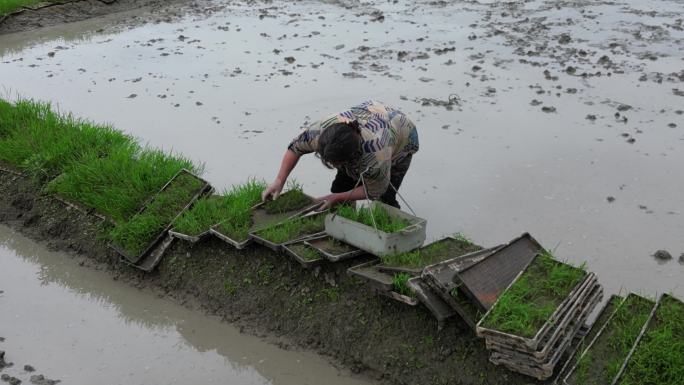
point(383, 219)
point(433, 253)
point(119, 184)
point(135, 236)
point(43, 143)
point(601, 363)
point(400, 284)
point(293, 229)
point(231, 209)
point(659, 357)
point(306, 252)
point(7, 6)
point(293, 199)
point(532, 299)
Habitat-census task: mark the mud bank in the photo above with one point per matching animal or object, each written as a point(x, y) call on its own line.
point(268, 295)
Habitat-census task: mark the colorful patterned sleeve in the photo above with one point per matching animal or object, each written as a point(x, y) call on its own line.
point(307, 141)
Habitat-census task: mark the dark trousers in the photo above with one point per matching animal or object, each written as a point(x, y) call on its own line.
point(344, 182)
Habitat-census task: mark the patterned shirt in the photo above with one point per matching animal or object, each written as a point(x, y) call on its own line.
point(388, 137)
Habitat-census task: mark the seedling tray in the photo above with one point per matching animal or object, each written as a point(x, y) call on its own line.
point(544, 368)
point(189, 238)
point(636, 305)
point(440, 309)
point(375, 278)
point(533, 343)
point(152, 259)
point(332, 249)
point(374, 241)
point(296, 251)
point(405, 299)
point(257, 235)
point(577, 348)
point(652, 323)
point(486, 280)
point(452, 247)
point(202, 191)
point(261, 218)
point(237, 243)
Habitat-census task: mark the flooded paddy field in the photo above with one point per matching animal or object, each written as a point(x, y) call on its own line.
point(564, 119)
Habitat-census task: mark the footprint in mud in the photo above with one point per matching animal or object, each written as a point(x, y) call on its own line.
point(132, 96)
point(548, 109)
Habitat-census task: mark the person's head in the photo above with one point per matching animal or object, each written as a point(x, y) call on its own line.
point(340, 144)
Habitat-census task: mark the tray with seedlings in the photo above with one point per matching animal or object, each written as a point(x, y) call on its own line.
point(657, 357)
point(290, 204)
point(138, 236)
point(332, 249)
point(391, 285)
point(303, 253)
point(414, 261)
point(601, 360)
point(229, 211)
point(541, 364)
point(379, 229)
point(290, 230)
point(485, 280)
point(578, 347)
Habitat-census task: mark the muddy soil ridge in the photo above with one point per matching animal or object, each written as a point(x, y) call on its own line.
point(273, 297)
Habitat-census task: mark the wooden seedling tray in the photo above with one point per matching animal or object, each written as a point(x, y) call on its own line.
point(374, 241)
point(204, 190)
point(576, 349)
point(609, 327)
point(292, 250)
point(332, 249)
point(533, 343)
point(650, 324)
point(278, 246)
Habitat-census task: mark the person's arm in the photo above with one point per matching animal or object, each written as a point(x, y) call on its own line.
point(288, 163)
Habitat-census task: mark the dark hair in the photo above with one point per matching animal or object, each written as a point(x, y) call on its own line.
point(339, 143)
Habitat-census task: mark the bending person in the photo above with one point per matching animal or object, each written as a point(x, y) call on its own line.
point(371, 139)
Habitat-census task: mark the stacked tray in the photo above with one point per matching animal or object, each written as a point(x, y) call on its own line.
point(538, 356)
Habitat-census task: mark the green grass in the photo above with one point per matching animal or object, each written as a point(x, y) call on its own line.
point(7, 6)
point(294, 228)
point(43, 143)
point(119, 184)
point(601, 363)
point(659, 357)
point(135, 235)
point(435, 252)
point(383, 220)
point(293, 199)
point(400, 284)
point(231, 209)
point(306, 252)
point(532, 299)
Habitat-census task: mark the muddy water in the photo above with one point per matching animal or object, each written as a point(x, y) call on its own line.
point(81, 327)
point(590, 165)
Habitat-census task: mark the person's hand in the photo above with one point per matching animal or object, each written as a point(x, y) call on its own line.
point(328, 202)
point(273, 190)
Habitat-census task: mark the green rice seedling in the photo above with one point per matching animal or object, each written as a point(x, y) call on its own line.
point(293, 199)
point(306, 252)
point(119, 184)
point(534, 296)
point(293, 229)
point(601, 363)
point(135, 235)
point(435, 252)
point(231, 209)
point(400, 284)
point(43, 143)
point(659, 357)
point(383, 220)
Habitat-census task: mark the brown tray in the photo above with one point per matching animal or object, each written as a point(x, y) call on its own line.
point(440, 309)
